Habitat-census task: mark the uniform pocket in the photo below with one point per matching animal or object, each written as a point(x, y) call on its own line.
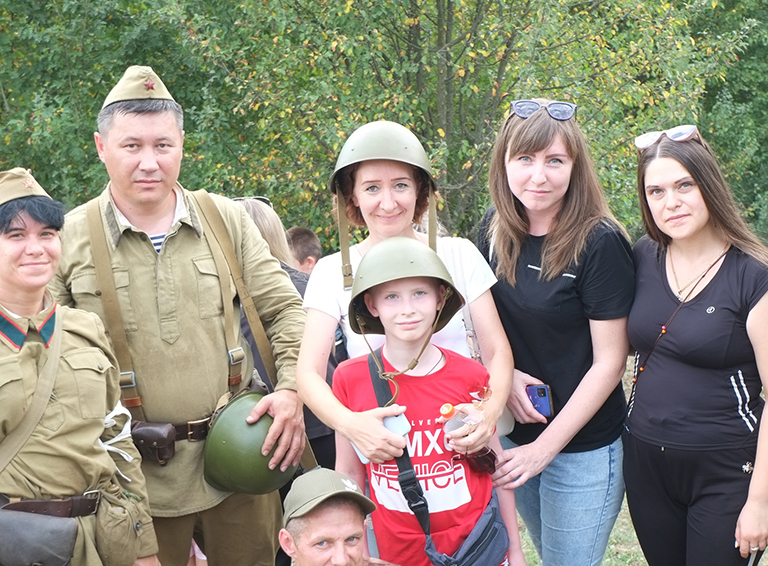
point(123, 288)
point(89, 366)
point(12, 393)
point(86, 296)
point(208, 287)
point(53, 417)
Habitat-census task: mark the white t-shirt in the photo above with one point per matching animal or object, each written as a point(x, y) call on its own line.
point(470, 272)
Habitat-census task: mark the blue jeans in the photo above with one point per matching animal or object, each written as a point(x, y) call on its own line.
point(569, 509)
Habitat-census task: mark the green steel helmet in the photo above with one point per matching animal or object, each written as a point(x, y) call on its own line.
point(383, 140)
point(233, 458)
point(392, 259)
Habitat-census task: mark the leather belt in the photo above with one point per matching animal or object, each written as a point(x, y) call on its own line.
point(75, 506)
point(194, 431)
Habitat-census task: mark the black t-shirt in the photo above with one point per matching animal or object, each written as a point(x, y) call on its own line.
point(547, 323)
point(700, 389)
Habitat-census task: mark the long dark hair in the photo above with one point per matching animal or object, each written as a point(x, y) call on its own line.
point(697, 158)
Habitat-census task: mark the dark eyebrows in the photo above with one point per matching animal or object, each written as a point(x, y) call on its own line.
point(677, 183)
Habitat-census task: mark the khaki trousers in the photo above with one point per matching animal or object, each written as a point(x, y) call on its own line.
point(239, 531)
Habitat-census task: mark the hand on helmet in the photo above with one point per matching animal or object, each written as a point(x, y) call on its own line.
point(287, 430)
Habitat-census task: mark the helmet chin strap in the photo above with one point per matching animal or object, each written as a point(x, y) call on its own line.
point(391, 375)
point(341, 214)
point(432, 221)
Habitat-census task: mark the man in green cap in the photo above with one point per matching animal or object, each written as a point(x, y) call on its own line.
point(166, 280)
point(325, 521)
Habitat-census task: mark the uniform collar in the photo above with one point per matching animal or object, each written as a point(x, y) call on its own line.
point(117, 223)
point(14, 329)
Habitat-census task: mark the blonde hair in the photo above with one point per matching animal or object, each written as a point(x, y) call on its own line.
point(270, 226)
point(584, 204)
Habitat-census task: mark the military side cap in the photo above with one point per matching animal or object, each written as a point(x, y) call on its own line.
point(138, 83)
point(311, 489)
point(18, 183)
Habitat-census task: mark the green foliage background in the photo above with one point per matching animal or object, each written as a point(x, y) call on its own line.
point(272, 88)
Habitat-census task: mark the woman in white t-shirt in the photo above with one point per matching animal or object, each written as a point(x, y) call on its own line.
point(383, 181)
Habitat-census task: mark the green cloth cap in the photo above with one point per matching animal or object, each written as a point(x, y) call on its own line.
point(138, 83)
point(311, 489)
point(18, 183)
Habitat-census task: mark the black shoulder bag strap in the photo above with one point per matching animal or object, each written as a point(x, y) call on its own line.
point(406, 476)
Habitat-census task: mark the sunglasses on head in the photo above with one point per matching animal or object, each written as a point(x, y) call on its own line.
point(259, 198)
point(676, 134)
point(558, 110)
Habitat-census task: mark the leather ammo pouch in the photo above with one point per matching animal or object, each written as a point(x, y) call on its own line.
point(29, 538)
point(118, 526)
point(155, 441)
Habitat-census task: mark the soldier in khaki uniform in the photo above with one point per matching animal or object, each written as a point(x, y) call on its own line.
point(170, 297)
point(83, 435)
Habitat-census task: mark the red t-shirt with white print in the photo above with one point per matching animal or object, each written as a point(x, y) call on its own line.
point(456, 495)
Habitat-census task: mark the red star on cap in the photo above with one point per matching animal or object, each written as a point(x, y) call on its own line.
point(149, 85)
point(28, 182)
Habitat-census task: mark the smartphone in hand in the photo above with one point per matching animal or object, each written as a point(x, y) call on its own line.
point(541, 399)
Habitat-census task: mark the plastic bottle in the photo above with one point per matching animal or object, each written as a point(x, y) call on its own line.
point(457, 419)
point(483, 460)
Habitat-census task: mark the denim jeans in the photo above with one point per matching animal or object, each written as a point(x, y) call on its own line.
point(569, 509)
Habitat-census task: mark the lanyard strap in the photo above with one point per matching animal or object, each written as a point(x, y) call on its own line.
point(665, 326)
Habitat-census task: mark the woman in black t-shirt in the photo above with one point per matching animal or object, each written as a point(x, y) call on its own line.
point(694, 459)
point(565, 288)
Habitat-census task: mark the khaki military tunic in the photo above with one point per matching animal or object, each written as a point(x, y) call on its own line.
point(172, 309)
point(66, 454)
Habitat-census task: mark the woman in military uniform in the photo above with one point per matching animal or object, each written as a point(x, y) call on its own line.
point(81, 446)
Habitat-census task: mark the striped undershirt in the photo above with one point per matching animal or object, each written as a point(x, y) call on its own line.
point(157, 241)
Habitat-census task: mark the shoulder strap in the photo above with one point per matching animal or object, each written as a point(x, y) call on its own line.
point(212, 217)
point(214, 220)
point(406, 476)
point(460, 282)
point(223, 268)
point(113, 316)
point(18, 437)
